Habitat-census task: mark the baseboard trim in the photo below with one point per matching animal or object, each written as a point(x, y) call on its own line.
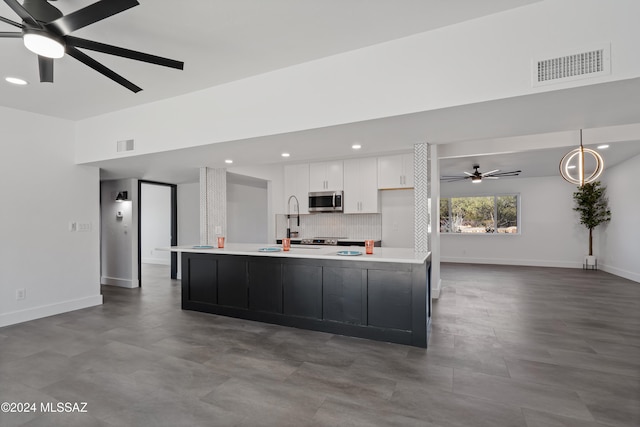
point(522, 262)
point(435, 290)
point(620, 272)
point(156, 261)
point(114, 281)
point(28, 314)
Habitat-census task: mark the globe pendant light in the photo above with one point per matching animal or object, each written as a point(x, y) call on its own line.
point(579, 153)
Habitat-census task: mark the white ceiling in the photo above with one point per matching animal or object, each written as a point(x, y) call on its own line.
point(218, 40)
point(536, 163)
point(222, 41)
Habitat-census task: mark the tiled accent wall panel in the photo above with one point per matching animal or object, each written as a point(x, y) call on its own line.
point(356, 226)
point(213, 204)
point(429, 197)
point(421, 195)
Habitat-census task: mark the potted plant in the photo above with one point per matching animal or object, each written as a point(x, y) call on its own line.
point(593, 206)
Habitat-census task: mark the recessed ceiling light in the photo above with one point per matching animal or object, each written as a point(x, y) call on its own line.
point(16, 81)
point(229, 161)
point(603, 146)
point(285, 154)
point(356, 146)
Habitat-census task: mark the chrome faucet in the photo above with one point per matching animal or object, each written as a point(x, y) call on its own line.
point(289, 214)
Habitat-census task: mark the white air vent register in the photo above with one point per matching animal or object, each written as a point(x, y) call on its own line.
point(586, 64)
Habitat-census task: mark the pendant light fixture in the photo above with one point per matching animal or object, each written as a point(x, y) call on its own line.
point(581, 179)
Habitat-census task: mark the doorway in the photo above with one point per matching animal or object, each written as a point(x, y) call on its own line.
point(158, 227)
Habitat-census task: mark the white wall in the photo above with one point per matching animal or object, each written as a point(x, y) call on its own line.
point(189, 214)
point(274, 175)
point(397, 213)
point(247, 209)
point(42, 191)
point(474, 61)
point(155, 223)
point(119, 235)
point(550, 234)
point(188, 196)
point(618, 242)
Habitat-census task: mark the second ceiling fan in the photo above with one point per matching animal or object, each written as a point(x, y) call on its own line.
point(477, 176)
point(45, 31)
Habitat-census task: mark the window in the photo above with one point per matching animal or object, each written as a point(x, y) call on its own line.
point(485, 214)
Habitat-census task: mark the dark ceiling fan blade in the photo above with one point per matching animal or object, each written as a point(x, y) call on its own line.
point(453, 178)
point(90, 62)
point(88, 15)
point(45, 66)
point(511, 173)
point(10, 22)
point(125, 53)
point(10, 35)
point(23, 13)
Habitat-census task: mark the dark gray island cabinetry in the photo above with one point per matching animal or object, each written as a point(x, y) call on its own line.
point(383, 299)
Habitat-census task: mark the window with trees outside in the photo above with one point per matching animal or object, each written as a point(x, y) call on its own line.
point(480, 215)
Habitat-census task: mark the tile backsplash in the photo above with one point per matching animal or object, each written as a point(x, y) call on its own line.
point(354, 226)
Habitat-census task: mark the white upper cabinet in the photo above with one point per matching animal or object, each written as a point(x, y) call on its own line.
point(361, 186)
point(395, 171)
point(326, 176)
point(296, 183)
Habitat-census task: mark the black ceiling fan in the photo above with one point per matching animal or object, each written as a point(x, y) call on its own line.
point(478, 176)
point(45, 31)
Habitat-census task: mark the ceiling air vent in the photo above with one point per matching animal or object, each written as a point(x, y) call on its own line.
point(587, 64)
point(125, 145)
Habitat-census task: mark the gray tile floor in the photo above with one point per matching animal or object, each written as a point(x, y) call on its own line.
point(511, 346)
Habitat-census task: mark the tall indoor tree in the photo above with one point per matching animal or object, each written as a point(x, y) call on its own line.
point(592, 204)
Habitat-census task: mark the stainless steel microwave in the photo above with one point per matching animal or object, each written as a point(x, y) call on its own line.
point(326, 201)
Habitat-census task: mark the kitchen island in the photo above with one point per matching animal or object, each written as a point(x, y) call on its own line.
point(385, 296)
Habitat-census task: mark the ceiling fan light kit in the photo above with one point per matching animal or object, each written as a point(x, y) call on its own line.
point(45, 32)
point(43, 43)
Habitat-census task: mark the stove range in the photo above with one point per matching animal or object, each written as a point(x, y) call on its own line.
point(330, 241)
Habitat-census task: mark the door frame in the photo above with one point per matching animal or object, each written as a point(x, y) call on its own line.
point(174, 226)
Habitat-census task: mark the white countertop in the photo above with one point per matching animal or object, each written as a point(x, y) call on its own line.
point(399, 255)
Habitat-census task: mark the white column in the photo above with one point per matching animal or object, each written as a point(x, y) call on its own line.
point(213, 204)
point(421, 185)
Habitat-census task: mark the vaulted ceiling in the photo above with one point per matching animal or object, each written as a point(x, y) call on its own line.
point(222, 41)
point(218, 40)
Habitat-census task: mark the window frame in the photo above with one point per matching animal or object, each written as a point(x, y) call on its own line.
point(495, 214)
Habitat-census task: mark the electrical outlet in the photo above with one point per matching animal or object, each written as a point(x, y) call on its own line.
point(21, 294)
point(218, 229)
